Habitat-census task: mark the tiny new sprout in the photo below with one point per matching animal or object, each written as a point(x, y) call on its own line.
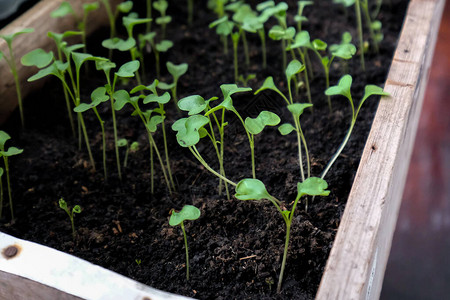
point(75, 209)
point(5, 153)
point(129, 149)
point(163, 20)
point(255, 126)
point(188, 212)
point(176, 71)
point(343, 89)
point(254, 189)
point(11, 61)
point(97, 96)
point(66, 8)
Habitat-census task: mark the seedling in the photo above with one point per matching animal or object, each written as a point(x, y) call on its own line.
point(11, 61)
point(163, 20)
point(75, 210)
point(254, 189)
point(124, 7)
point(343, 89)
point(157, 48)
point(97, 96)
point(255, 126)
point(5, 153)
point(134, 147)
point(222, 30)
point(66, 9)
point(300, 18)
point(127, 70)
point(296, 110)
point(176, 71)
point(150, 122)
point(188, 212)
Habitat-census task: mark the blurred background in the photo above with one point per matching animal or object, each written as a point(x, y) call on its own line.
point(419, 263)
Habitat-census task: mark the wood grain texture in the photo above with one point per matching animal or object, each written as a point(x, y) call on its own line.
point(358, 259)
point(37, 17)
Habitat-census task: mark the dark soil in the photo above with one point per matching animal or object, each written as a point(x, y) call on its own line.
point(235, 247)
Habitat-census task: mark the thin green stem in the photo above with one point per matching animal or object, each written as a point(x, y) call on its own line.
point(5, 159)
point(149, 16)
point(360, 33)
point(74, 234)
point(308, 88)
point(246, 52)
point(299, 143)
point(102, 125)
point(166, 151)
point(187, 252)
point(306, 149)
point(365, 9)
point(158, 155)
point(235, 59)
point(152, 169)
point(190, 11)
point(12, 65)
point(285, 253)
point(252, 150)
point(262, 36)
point(197, 155)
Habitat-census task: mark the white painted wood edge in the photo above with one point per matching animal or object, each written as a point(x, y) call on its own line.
point(357, 262)
point(72, 275)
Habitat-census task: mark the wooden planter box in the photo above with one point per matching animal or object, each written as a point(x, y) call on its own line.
point(357, 261)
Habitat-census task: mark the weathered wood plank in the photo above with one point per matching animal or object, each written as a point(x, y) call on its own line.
point(42, 273)
point(358, 259)
point(38, 17)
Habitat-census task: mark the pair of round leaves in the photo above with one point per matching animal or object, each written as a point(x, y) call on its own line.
point(4, 137)
point(188, 212)
point(189, 130)
point(254, 189)
point(265, 118)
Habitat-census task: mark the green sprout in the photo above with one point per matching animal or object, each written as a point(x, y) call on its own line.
point(124, 7)
point(190, 9)
point(188, 212)
point(255, 126)
point(66, 9)
point(5, 153)
point(11, 61)
point(127, 70)
point(343, 89)
point(300, 18)
point(161, 6)
point(296, 110)
point(222, 29)
point(161, 47)
point(150, 122)
point(130, 43)
point(76, 209)
point(134, 147)
point(97, 96)
point(176, 71)
point(254, 189)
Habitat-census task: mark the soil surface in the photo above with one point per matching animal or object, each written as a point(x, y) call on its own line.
point(235, 246)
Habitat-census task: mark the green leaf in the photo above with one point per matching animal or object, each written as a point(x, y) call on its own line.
point(62, 204)
point(163, 99)
point(265, 118)
point(119, 44)
point(82, 107)
point(279, 33)
point(313, 186)
point(4, 137)
point(38, 58)
point(319, 45)
point(76, 209)
point(230, 89)
point(88, 7)
point(99, 95)
point(371, 90)
point(134, 146)
point(63, 10)
point(188, 129)
point(344, 51)
point(343, 88)
point(297, 108)
point(122, 143)
point(80, 58)
point(176, 70)
point(266, 4)
point(50, 70)
point(188, 212)
point(121, 98)
point(218, 21)
point(164, 45)
point(194, 104)
point(58, 37)
point(161, 6)
point(251, 189)
point(286, 128)
point(268, 85)
point(128, 69)
point(105, 65)
point(10, 37)
point(302, 39)
point(11, 151)
point(125, 7)
point(165, 86)
point(163, 20)
point(1, 172)
point(153, 123)
point(130, 22)
point(293, 68)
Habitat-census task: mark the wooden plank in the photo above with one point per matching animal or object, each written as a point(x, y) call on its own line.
point(38, 17)
point(358, 259)
point(42, 273)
